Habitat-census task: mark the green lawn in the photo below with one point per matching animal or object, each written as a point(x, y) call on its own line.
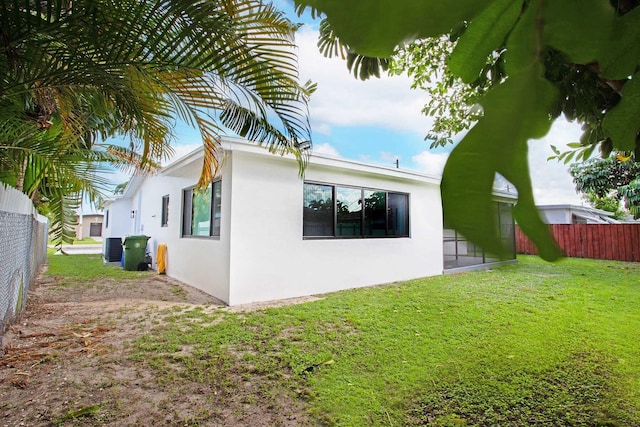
point(528, 344)
point(85, 268)
point(85, 241)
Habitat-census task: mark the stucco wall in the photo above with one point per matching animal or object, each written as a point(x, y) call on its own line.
point(119, 224)
point(83, 229)
point(199, 262)
point(261, 254)
point(270, 259)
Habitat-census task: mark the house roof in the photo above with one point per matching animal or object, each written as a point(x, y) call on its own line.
point(132, 186)
point(185, 165)
point(89, 214)
point(229, 144)
point(587, 213)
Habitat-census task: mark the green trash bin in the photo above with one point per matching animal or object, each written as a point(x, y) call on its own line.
point(134, 251)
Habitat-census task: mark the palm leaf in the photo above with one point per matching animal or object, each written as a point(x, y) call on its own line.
point(362, 67)
point(75, 72)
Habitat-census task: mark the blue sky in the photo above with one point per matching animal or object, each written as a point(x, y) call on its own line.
point(379, 121)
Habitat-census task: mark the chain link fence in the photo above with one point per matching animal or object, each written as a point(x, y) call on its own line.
point(23, 249)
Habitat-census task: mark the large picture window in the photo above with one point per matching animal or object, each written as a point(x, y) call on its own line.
point(352, 212)
point(201, 211)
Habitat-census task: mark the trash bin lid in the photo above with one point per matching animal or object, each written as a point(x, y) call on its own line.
point(136, 240)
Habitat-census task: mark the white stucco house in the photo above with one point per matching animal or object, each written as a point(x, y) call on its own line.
point(261, 232)
point(574, 214)
point(89, 225)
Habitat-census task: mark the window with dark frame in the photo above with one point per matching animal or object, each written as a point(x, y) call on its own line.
point(164, 217)
point(331, 211)
point(201, 211)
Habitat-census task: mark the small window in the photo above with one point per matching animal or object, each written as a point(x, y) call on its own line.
point(217, 205)
point(164, 220)
point(201, 211)
point(351, 212)
point(106, 218)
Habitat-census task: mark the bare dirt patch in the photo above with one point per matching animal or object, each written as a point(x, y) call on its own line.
point(66, 362)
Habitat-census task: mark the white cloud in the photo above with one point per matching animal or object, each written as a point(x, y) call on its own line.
point(430, 163)
point(366, 158)
point(325, 148)
point(115, 177)
point(552, 183)
point(343, 100)
point(181, 151)
point(322, 129)
point(386, 157)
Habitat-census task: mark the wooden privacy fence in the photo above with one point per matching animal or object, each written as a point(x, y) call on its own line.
point(619, 242)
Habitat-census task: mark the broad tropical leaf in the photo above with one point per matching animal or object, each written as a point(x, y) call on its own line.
point(523, 51)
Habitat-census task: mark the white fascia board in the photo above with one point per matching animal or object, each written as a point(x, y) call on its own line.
point(503, 196)
point(355, 166)
point(108, 202)
point(243, 145)
point(175, 167)
point(236, 144)
point(132, 186)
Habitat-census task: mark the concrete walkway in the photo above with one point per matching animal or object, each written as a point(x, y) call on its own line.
point(82, 249)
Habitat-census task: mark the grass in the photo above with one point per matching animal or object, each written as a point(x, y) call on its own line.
point(528, 344)
point(83, 241)
point(86, 268)
point(86, 241)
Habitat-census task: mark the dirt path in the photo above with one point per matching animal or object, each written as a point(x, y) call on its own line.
point(66, 362)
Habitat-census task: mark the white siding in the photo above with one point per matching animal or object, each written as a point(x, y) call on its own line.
point(270, 259)
point(261, 254)
point(119, 219)
point(199, 262)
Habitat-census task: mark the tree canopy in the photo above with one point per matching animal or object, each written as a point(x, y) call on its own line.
point(73, 73)
point(612, 180)
point(521, 63)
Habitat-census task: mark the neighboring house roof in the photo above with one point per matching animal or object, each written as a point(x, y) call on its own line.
point(585, 213)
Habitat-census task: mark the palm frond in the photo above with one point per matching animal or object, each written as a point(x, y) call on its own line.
point(101, 67)
point(62, 208)
point(362, 67)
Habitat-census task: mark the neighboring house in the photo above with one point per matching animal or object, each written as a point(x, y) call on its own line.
point(89, 225)
point(260, 232)
point(573, 214)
